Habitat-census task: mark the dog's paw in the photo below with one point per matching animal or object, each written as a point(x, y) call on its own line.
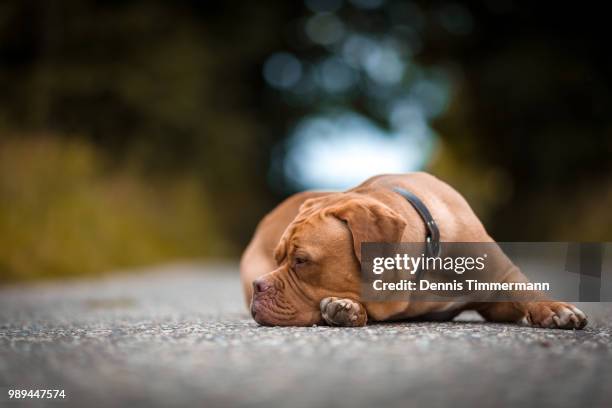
point(343, 312)
point(554, 315)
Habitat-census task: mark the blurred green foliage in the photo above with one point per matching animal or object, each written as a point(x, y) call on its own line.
point(145, 133)
point(64, 212)
point(164, 86)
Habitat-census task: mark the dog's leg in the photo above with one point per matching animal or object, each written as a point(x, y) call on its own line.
point(537, 310)
point(546, 314)
point(343, 312)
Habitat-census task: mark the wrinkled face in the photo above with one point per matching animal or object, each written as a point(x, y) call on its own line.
point(315, 260)
point(318, 257)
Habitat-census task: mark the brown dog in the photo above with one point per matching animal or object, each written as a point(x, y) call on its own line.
point(302, 265)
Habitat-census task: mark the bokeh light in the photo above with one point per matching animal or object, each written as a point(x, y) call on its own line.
point(341, 150)
point(366, 103)
point(282, 70)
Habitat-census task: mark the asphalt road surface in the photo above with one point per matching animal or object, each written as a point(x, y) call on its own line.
point(180, 336)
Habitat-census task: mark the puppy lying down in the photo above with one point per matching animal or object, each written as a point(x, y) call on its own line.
point(302, 266)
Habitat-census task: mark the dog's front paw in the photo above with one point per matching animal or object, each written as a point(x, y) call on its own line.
point(343, 312)
point(554, 315)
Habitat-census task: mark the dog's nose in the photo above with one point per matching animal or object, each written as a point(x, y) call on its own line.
point(259, 286)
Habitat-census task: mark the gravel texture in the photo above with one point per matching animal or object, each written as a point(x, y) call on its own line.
point(180, 335)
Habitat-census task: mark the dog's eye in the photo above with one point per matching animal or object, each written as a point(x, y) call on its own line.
point(298, 261)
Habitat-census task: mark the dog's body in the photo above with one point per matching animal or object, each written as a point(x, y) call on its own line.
point(302, 266)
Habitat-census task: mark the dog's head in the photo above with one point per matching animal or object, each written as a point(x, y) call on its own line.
point(318, 256)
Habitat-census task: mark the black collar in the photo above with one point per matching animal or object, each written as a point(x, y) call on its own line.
point(432, 233)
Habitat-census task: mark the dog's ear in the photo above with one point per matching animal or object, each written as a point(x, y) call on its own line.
point(370, 221)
